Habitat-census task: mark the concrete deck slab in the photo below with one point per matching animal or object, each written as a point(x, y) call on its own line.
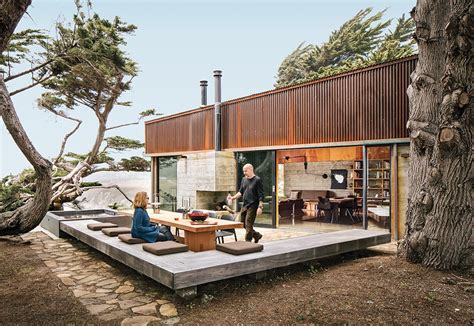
point(189, 269)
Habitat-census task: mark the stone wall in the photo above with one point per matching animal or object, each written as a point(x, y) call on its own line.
point(207, 171)
point(296, 178)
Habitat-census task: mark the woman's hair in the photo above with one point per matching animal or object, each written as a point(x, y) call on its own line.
point(140, 200)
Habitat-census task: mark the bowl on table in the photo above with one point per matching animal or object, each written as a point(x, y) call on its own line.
point(198, 216)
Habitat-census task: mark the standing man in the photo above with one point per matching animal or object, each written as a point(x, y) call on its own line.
point(251, 189)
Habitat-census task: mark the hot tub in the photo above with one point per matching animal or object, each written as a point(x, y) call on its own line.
point(53, 219)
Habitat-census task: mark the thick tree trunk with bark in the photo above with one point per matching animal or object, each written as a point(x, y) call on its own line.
point(440, 215)
point(11, 12)
point(30, 215)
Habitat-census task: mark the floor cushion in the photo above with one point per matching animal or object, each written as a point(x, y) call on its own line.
point(165, 247)
point(100, 226)
point(127, 238)
point(239, 247)
point(113, 232)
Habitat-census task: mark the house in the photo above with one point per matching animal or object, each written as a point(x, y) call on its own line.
point(338, 137)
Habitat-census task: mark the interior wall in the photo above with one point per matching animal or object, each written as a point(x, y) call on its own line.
point(297, 178)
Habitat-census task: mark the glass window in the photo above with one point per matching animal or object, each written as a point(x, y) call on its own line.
point(378, 187)
point(167, 182)
point(262, 162)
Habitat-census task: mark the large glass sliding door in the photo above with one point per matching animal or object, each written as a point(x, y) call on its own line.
point(378, 190)
point(264, 166)
point(167, 182)
point(320, 189)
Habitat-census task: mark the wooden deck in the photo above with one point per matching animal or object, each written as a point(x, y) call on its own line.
point(183, 272)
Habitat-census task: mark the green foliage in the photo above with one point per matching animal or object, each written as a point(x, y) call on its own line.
point(76, 156)
point(90, 184)
point(15, 189)
point(20, 48)
point(148, 113)
point(115, 205)
point(167, 161)
point(27, 176)
point(59, 173)
point(121, 143)
point(167, 197)
point(358, 43)
point(10, 197)
point(103, 157)
point(135, 163)
point(93, 72)
point(73, 158)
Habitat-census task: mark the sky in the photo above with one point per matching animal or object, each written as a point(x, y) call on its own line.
point(177, 44)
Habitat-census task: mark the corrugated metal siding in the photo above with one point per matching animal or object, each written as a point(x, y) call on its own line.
point(187, 132)
point(362, 105)
point(370, 104)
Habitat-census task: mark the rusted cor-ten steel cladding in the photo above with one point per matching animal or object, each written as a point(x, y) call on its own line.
point(365, 104)
point(184, 132)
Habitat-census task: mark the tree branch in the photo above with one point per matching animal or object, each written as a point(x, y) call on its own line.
point(63, 145)
point(11, 77)
point(66, 166)
point(79, 167)
point(31, 85)
point(108, 187)
point(120, 126)
point(105, 170)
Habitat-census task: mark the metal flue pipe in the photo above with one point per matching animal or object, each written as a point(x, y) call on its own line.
point(203, 84)
point(217, 109)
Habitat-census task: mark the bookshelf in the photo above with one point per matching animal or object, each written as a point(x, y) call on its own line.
point(378, 181)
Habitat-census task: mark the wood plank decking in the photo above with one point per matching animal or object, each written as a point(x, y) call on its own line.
point(184, 271)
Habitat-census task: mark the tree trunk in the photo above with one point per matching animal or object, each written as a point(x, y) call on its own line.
point(11, 12)
point(27, 217)
point(30, 215)
point(98, 141)
point(440, 215)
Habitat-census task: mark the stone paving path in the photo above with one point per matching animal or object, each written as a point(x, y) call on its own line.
point(103, 286)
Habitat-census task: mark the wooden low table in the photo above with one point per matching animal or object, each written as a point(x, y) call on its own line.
point(198, 237)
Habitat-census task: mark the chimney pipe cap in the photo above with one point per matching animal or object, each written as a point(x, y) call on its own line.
point(203, 82)
point(217, 73)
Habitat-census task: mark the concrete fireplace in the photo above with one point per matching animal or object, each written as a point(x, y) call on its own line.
point(204, 179)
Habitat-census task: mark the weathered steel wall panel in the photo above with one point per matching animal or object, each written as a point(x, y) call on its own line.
point(366, 104)
point(190, 131)
point(363, 105)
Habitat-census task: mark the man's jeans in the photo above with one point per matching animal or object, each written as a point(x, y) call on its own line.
point(247, 216)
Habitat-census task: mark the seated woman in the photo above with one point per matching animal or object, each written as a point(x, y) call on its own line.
point(141, 226)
